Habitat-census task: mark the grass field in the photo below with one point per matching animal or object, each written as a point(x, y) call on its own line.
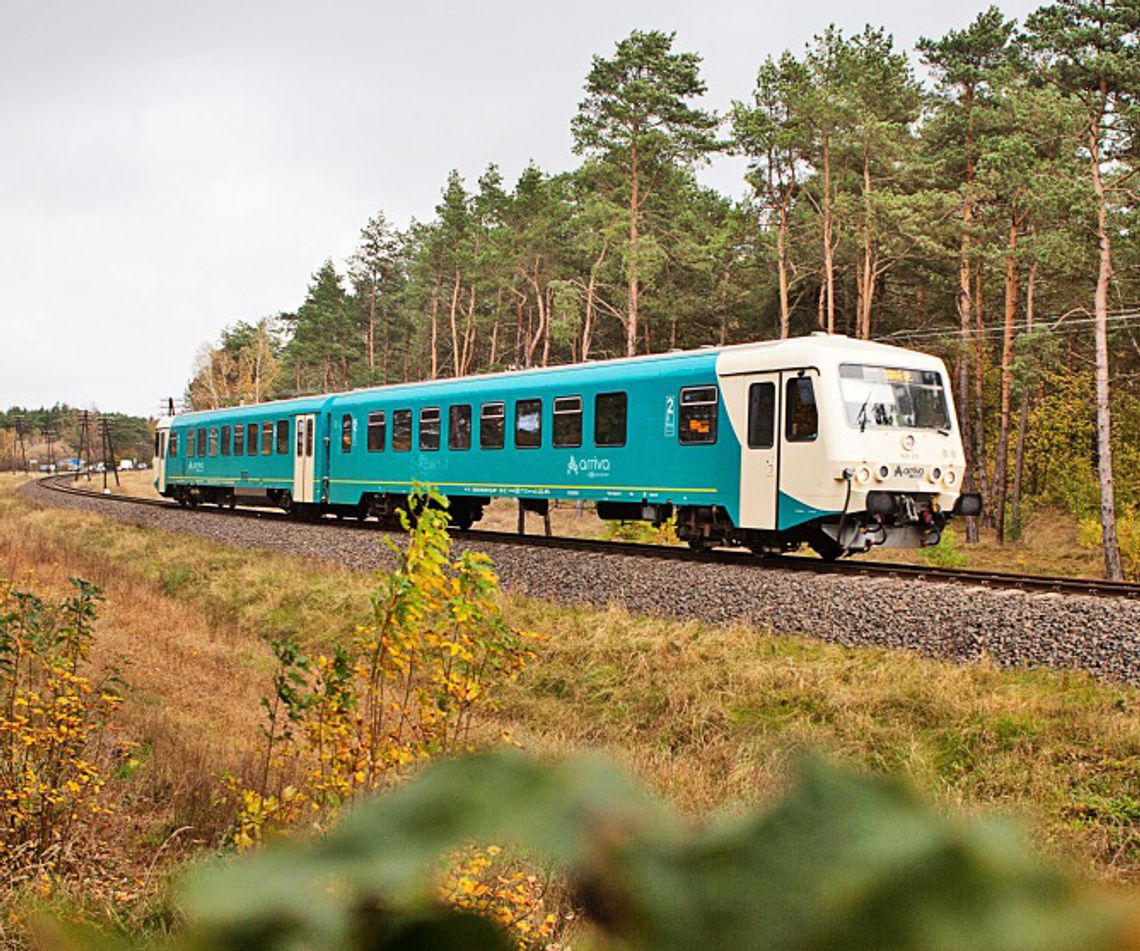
point(710, 716)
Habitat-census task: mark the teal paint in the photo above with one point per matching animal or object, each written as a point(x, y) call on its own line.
point(791, 512)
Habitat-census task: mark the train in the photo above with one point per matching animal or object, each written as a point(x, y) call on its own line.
point(839, 444)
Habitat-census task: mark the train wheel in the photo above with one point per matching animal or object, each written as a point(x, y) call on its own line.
point(826, 547)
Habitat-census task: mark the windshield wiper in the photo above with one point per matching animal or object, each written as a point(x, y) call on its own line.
point(861, 419)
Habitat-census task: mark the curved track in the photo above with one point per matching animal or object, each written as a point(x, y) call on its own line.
point(988, 579)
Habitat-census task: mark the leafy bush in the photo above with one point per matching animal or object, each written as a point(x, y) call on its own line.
point(645, 533)
point(52, 727)
point(947, 553)
point(408, 686)
point(843, 862)
point(1127, 537)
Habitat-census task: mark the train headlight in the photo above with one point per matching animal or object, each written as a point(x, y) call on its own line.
point(950, 478)
point(882, 472)
point(863, 475)
point(935, 473)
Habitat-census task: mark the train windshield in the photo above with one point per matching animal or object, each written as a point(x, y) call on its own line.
point(892, 398)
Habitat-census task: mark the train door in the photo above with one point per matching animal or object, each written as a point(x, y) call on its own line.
point(759, 394)
point(803, 463)
point(303, 458)
point(161, 445)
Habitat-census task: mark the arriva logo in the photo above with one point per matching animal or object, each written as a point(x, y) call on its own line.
point(592, 467)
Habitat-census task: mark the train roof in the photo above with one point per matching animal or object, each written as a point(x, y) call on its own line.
point(818, 349)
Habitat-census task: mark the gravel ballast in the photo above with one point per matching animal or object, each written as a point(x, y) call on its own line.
point(949, 621)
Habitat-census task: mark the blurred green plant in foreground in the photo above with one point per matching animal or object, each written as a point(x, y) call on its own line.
point(843, 861)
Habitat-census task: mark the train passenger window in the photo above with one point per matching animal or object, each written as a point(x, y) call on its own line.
point(251, 439)
point(567, 422)
point(377, 424)
point(528, 424)
point(213, 441)
point(172, 446)
point(189, 444)
point(300, 439)
point(761, 415)
point(201, 443)
point(226, 440)
point(802, 421)
point(429, 429)
point(346, 433)
point(492, 430)
point(239, 440)
point(699, 405)
point(609, 419)
point(282, 437)
point(267, 439)
point(459, 427)
point(401, 430)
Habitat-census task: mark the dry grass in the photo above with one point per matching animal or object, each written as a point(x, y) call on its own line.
point(709, 715)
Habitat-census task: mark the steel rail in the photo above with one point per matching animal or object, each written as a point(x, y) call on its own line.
point(987, 579)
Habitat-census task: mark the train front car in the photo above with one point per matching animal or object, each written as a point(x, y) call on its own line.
point(845, 445)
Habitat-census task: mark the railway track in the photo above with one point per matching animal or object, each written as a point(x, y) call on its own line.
point(796, 563)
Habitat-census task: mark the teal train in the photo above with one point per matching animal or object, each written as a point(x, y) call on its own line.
point(837, 443)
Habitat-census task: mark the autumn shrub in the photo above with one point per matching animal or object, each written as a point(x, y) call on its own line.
point(947, 553)
point(1127, 537)
point(53, 728)
point(646, 533)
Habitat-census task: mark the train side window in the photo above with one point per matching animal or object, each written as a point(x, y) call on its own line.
point(267, 439)
point(346, 433)
point(157, 444)
point(459, 426)
point(429, 429)
point(226, 440)
point(528, 424)
point(172, 446)
point(189, 444)
point(239, 440)
point(699, 405)
point(300, 439)
point(761, 415)
point(282, 437)
point(310, 425)
point(567, 422)
point(401, 430)
point(610, 419)
point(213, 441)
point(802, 421)
point(492, 430)
point(201, 443)
point(377, 424)
point(251, 439)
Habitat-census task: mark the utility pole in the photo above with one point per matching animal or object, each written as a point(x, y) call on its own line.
point(20, 430)
point(49, 435)
point(108, 452)
point(84, 445)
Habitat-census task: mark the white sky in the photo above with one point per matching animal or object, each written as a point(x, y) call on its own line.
point(167, 168)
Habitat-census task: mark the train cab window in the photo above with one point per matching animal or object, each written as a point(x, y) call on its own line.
point(201, 443)
point(492, 430)
point(429, 429)
point(802, 420)
point(699, 405)
point(528, 424)
point(401, 430)
point(251, 439)
point(377, 424)
point(239, 440)
point(282, 437)
point(609, 419)
point(226, 440)
point(157, 444)
point(567, 422)
point(172, 446)
point(213, 441)
point(761, 415)
point(346, 433)
point(459, 427)
point(267, 439)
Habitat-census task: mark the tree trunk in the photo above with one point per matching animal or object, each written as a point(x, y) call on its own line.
point(980, 392)
point(591, 290)
point(867, 278)
point(634, 212)
point(782, 263)
point(435, 329)
point(828, 250)
point(372, 330)
point(965, 315)
point(456, 361)
point(1012, 286)
point(1113, 569)
point(1023, 420)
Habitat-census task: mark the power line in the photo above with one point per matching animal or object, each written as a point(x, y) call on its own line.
point(1061, 325)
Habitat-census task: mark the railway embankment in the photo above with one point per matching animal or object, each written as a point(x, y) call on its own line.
point(947, 621)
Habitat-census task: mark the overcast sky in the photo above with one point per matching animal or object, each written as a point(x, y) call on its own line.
point(170, 168)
